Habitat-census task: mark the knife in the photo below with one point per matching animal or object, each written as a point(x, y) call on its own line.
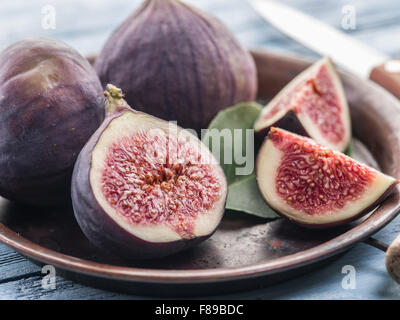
point(346, 51)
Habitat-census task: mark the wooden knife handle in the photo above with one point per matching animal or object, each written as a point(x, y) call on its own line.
point(388, 76)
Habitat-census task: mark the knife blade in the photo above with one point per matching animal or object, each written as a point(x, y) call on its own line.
point(346, 51)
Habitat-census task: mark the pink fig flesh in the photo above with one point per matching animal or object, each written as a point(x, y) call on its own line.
point(314, 105)
point(314, 185)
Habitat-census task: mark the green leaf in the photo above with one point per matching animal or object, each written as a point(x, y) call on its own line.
point(223, 131)
point(245, 196)
point(243, 193)
point(349, 149)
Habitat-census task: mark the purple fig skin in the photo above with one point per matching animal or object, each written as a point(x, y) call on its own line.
point(288, 122)
point(50, 104)
point(97, 225)
point(177, 63)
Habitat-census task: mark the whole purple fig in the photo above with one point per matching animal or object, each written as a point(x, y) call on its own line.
point(50, 104)
point(177, 63)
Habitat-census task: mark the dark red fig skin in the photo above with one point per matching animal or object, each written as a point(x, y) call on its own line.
point(288, 122)
point(177, 63)
point(99, 227)
point(50, 104)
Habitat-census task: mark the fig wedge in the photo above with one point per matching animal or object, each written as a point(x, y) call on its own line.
point(316, 186)
point(314, 105)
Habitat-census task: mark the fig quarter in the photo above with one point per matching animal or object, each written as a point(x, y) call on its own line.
point(315, 186)
point(314, 105)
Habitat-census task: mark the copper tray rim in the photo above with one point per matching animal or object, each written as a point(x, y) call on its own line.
point(381, 217)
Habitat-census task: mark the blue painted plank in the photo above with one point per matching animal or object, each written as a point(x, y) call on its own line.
point(13, 265)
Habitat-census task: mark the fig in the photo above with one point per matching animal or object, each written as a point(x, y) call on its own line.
point(314, 185)
point(177, 63)
point(50, 104)
point(393, 259)
point(314, 105)
point(143, 187)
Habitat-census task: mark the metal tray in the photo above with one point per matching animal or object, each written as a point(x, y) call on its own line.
point(246, 252)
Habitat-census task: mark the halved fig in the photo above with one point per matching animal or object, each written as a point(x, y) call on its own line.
point(143, 187)
point(313, 104)
point(314, 185)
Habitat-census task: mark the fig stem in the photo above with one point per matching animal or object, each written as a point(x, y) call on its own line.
point(114, 99)
point(377, 244)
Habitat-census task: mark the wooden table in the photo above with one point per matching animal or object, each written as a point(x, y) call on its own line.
point(85, 24)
